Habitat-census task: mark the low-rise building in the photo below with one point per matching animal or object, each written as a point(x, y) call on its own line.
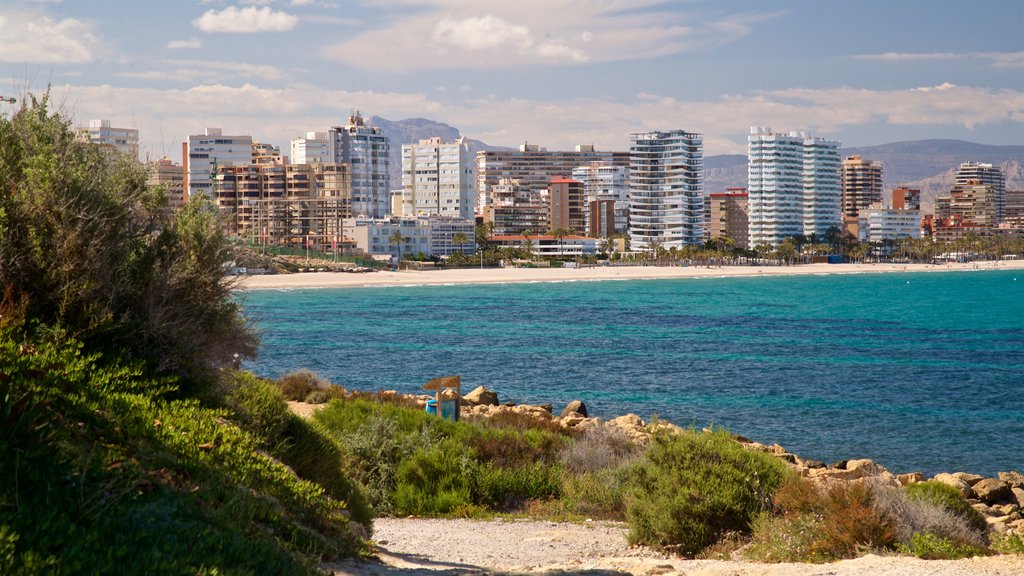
point(430, 235)
point(877, 223)
point(729, 216)
point(124, 140)
point(571, 246)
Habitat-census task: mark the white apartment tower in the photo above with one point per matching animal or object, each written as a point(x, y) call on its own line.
point(203, 153)
point(666, 189)
point(986, 174)
point(604, 181)
point(315, 148)
point(124, 140)
point(365, 148)
point(439, 178)
point(793, 183)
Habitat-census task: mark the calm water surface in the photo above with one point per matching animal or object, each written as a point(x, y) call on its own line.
point(916, 371)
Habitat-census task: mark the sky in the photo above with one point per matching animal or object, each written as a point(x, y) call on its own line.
point(550, 72)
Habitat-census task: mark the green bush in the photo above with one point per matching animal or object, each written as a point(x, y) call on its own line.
point(319, 397)
point(790, 538)
point(258, 404)
point(934, 547)
point(949, 498)
point(598, 449)
point(600, 494)
point(91, 248)
point(509, 488)
point(1008, 543)
point(691, 488)
point(435, 480)
point(296, 386)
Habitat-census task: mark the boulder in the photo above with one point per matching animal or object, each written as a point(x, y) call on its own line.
point(838, 465)
point(570, 420)
point(985, 510)
point(576, 406)
point(1018, 495)
point(971, 479)
point(963, 487)
point(810, 463)
point(1015, 479)
point(481, 396)
point(992, 490)
point(910, 478)
point(547, 407)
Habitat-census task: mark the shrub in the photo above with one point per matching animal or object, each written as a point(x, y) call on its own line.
point(919, 511)
point(949, 498)
point(1008, 543)
point(319, 397)
point(597, 449)
point(510, 488)
point(934, 547)
point(791, 538)
point(259, 405)
point(92, 248)
point(296, 386)
point(435, 480)
point(599, 494)
point(690, 488)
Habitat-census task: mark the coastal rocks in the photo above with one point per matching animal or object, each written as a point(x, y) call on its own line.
point(632, 426)
point(862, 469)
point(1018, 495)
point(963, 487)
point(1014, 479)
point(991, 490)
point(970, 479)
point(909, 478)
point(481, 396)
point(576, 406)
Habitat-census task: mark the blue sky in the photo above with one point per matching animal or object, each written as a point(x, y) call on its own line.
point(554, 73)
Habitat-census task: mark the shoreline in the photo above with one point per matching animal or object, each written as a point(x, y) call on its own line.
point(463, 276)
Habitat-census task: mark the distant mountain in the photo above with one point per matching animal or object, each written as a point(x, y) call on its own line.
point(411, 131)
point(926, 164)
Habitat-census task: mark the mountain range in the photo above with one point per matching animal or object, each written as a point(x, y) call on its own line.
point(929, 165)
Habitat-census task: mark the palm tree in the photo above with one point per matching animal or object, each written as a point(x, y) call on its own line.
point(397, 239)
point(460, 239)
point(559, 234)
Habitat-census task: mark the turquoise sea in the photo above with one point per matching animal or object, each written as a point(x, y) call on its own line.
point(916, 371)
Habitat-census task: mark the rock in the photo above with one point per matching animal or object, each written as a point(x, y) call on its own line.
point(547, 407)
point(1015, 479)
point(481, 396)
point(997, 524)
point(971, 479)
point(838, 465)
point(963, 487)
point(1018, 495)
point(811, 463)
point(910, 478)
point(1004, 509)
point(992, 490)
point(570, 420)
point(791, 458)
point(576, 406)
point(777, 449)
point(985, 510)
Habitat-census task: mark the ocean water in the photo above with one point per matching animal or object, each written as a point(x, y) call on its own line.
point(919, 372)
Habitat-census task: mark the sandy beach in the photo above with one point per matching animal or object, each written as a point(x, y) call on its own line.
point(511, 275)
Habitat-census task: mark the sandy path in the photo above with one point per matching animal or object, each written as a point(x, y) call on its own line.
point(428, 547)
point(512, 275)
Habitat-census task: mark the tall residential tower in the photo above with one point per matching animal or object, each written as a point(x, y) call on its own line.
point(666, 189)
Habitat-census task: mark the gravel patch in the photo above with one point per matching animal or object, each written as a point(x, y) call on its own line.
point(432, 547)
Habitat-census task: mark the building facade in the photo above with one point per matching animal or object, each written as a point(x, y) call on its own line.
point(666, 189)
point(203, 154)
point(365, 148)
point(566, 205)
point(571, 246)
point(906, 198)
point(314, 148)
point(431, 235)
point(877, 224)
point(986, 174)
point(439, 178)
point(730, 216)
point(516, 209)
point(124, 140)
point(534, 166)
point(793, 185)
point(861, 184)
point(167, 175)
point(603, 182)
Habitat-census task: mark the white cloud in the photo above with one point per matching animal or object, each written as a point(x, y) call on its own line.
point(454, 34)
point(185, 44)
point(36, 38)
point(242, 20)
point(206, 70)
point(277, 115)
point(995, 59)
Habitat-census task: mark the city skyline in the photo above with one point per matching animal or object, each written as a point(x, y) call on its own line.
point(551, 73)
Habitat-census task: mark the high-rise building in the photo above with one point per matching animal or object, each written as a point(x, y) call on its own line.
point(862, 184)
point(534, 166)
point(666, 189)
point(439, 178)
point(986, 174)
point(793, 185)
point(1014, 207)
point(566, 205)
point(315, 147)
point(365, 148)
point(603, 182)
point(168, 175)
point(203, 153)
point(124, 140)
point(906, 198)
point(877, 223)
point(516, 209)
point(823, 190)
point(730, 216)
point(976, 202)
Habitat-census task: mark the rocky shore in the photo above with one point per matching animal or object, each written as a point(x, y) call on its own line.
point(1000, 499)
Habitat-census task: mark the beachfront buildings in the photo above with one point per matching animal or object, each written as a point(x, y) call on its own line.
point(793, 185)
point(203, 153)
point(972, 206)
point(877, 223)
point(439, 177)
point(516, 209)
point(989, 175)
point(861, 187)
point(430, 235)
point(1014, 207)
point(124, 140)
point(604, 185)
point(315, 147)
point(569, 246)
point(904, 198)
point(729, 216)
point(166, 174)
point(534, 167)
point(666, 182)
point(566, 205)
